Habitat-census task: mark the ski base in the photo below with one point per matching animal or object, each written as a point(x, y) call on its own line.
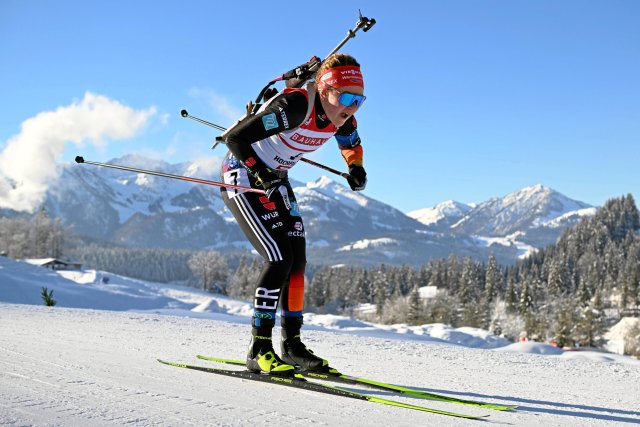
point(298, 381)
point(335, 376)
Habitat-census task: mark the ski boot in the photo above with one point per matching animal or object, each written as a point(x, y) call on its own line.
point(294, 352)
point(261, 356)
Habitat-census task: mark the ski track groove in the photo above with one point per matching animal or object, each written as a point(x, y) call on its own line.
point(102, 391)
point(95, 391)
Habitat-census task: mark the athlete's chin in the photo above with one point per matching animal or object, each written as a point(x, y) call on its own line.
point(341, 119)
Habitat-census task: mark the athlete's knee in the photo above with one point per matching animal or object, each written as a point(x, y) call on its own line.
point(282, 267)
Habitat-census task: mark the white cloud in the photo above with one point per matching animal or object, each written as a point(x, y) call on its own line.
point(28, 163)
point(205, 167)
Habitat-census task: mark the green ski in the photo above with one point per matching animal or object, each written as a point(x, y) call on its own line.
point(298, 381)
point(335, 376)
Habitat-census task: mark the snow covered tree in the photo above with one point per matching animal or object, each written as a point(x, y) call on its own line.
point(632, 341)
point(243, 282)
point(526, 298)
point(452, 274)
point(584, 294)
point(415, 310)
point(558, 281)
point(212, 271)
point(317, 291)
point(536, 326)
point(511, 296)
point(380, 288)
point(590, 327)
point(469, 284)
point(493, 280)
point(441, 309)
point(564, 324)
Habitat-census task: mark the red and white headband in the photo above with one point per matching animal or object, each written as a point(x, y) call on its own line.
point(344, 75)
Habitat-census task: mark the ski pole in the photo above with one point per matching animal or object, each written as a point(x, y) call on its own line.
point(80, 159)
point(363, 23)
point(185, 114)
point(327, 168)
point(302, 73)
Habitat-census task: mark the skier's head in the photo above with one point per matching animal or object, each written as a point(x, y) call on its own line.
point(341, 87)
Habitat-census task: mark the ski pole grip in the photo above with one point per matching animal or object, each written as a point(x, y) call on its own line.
point(79, 159)
point(184, 113)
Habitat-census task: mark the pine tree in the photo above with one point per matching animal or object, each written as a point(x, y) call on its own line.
point(493, 280)
point(380, 289)
point(633, 284)
point(451, 275)
point(526, 298)
point(590, 326)
point(511, 297)
point(47, 297)
point(536, 326)
point(414, 314)
point(441, 309)
point(564, 324)
point(467, 284)
point(558, 281)
point(315, 295)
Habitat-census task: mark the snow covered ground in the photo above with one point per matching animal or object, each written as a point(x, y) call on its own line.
point(91, 360)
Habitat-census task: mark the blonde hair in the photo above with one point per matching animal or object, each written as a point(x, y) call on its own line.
point(335, 60)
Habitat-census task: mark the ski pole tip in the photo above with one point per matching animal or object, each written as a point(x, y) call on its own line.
point(184, 113)
point(79, 159)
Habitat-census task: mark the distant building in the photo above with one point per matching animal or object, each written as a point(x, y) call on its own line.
point(54, 263)
point(427, 292)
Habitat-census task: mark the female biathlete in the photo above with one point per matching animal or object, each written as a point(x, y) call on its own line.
point(262, 149)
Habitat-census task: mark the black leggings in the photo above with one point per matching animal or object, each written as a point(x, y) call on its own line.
point(278, 236)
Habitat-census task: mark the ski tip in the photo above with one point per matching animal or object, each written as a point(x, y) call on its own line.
point(221, 360)
point(79, 159)
point(499, 407)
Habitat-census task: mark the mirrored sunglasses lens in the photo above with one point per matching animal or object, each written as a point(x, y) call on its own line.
point(348, 99)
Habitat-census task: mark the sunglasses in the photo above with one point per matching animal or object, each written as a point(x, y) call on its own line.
point(348, 99)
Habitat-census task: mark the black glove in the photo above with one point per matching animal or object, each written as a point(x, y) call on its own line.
point(272, 185)
point(357, 178)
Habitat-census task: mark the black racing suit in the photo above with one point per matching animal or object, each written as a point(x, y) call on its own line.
point(276, 233)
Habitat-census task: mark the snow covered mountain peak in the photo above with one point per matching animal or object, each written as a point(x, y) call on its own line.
point(136, 160)
point(450, 210)
point(521, 211)
point(334, 191)
point(322, 182)
point(533, 193)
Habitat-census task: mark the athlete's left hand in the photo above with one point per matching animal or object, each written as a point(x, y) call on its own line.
point(357, 178)
point(279, 189)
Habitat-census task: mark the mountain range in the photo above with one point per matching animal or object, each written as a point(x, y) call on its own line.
point(132, 209)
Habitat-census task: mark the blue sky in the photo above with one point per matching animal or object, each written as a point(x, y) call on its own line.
point(467, 100)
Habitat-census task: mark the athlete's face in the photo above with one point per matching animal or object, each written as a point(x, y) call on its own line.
point(335, 110)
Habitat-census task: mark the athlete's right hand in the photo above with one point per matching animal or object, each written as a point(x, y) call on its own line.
point(357, 178)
